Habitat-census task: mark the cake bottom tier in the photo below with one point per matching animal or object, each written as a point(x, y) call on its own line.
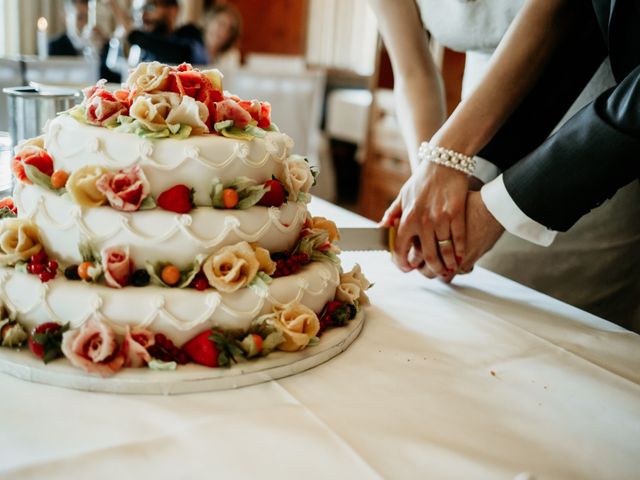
point(178, 313)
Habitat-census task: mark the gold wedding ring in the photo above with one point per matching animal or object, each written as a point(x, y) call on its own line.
point(444, 243)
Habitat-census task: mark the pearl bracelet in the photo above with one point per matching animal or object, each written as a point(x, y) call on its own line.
point(448, 158)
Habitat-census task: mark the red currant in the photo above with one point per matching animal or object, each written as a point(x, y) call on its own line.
point(38, 268)
point(52, 265)
point(39, 257)
point(201, 284)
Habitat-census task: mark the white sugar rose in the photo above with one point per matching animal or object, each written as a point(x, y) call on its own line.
point(148, 77)
point(232, 267)
point(298, 324)
point(296, 176)
point(356, 277)
point(322, 223)
point(190, 112)
point(152, 110)
point(82, 186)
point(19, 240)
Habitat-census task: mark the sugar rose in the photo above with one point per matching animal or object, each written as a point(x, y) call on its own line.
point(232, 267)
point(298, 324)
point(322, 223)
point(348, 292)
point(117, 266)
point(82, 186)
point(93, 348)
point(296, 176)
point(135, 345)
point(356, 277)
point(101, 107)
point(19, 240)
point(33, 155)
point(148, 77)
point(126, 189)
point(152, 110)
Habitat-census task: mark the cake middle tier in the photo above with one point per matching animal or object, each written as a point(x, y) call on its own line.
point(155, 235)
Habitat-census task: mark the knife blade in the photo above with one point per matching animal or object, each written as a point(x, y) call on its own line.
point(367, 238)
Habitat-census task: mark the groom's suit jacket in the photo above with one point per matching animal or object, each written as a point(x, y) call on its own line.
point(555, 180)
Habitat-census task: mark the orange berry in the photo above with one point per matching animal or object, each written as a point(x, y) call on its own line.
point(257, 339)
point(229, 197)
point(59, 178)
point(83, 270)
point(170, 275)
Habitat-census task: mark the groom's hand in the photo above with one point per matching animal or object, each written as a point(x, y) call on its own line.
point(483, 231)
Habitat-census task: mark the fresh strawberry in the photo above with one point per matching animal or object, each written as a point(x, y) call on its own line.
point(178, 198)
point(212, 349)
point(276, 195)
point(45, 340)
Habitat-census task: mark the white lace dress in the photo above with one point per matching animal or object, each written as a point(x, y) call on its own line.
point(595, 265)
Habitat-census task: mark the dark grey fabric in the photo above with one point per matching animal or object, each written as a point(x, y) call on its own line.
point(598, 150)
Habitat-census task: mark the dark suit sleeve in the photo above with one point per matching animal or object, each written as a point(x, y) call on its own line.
point(568, 71)
point(585, 162)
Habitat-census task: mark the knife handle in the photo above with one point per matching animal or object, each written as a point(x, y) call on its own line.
point(391, 238)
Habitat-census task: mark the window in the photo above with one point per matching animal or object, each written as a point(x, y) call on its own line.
point(342, 34)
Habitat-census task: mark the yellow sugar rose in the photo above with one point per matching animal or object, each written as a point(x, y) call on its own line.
point(298, 324)
point(82, 186)
point(326, 224)
point(296, 176)
point(232, 267)
point(267, 265)
point(355, 277)
point(19, 240)
point(348, 292)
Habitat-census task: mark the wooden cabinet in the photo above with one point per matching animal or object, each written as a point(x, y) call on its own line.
point(386, 165)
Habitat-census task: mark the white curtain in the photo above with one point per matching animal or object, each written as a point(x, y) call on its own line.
point(342, 34)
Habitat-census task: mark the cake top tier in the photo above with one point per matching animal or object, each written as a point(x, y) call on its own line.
point(160, 101)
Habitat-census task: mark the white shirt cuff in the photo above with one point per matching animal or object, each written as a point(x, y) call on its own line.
point(485, 170)
point(498, 201)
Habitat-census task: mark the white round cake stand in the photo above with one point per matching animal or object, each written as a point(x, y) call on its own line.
point(187, 378)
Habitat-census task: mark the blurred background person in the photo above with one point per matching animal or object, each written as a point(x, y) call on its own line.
point(72, 41)
point(159, 37)
point(223, 27)
point(79, 39)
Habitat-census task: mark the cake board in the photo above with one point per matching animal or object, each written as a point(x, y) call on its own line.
point(186, 378)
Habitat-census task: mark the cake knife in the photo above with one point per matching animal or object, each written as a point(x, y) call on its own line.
point(366, 238)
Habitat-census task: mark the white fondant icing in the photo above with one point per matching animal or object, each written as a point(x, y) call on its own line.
point(179, 314)
point(155, 235)
point(193, 161)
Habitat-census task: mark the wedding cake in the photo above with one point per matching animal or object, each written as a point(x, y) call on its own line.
point(166, 223)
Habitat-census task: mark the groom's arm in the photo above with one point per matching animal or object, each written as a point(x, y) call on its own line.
point(584, 163)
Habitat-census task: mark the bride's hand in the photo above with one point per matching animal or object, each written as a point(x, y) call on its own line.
point(431, 208)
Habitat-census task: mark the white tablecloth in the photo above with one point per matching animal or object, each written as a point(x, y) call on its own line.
point(481, 379)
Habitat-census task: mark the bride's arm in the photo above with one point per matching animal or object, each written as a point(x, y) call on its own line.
point(516, 65)
point(417, 84)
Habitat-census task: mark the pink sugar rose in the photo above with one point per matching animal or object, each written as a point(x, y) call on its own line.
point(230, 110)
point(126, 189)
point(135, 345)
point(93, 348)
point(101, 106)
point(117, 266)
